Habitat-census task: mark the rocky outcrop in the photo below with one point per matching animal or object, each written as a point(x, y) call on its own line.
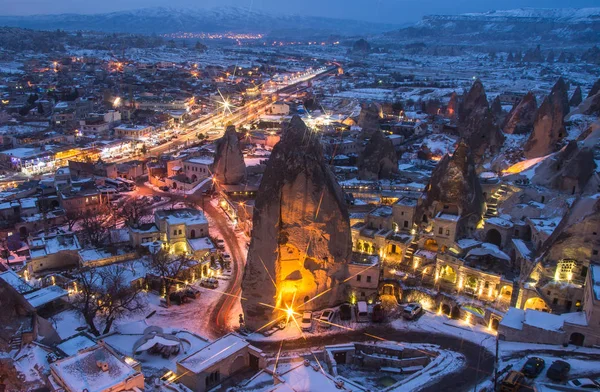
point(520, 119)
point(576, 98)
point(368, 119)
point(569, 170)
point(496, 109)
point(454, 182)
point(301, 241)
point(477, 125)
point(592, 105)
point(548, 126)
point(229, 167)
point(452, 108)
point(378, 160)
point(595, 89)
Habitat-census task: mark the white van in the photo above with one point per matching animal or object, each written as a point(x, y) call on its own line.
point(362, 312)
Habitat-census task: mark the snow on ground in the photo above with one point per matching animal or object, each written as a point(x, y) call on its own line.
point(67, 322)
point(440, 144)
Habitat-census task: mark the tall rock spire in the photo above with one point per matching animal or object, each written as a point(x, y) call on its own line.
point(301, 241)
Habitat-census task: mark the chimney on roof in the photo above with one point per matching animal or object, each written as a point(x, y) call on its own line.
point(102, 365)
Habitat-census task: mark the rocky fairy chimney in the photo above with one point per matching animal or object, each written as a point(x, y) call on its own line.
point(549, 126)
point(301, 240)
point(520, 119)
point(229, 167)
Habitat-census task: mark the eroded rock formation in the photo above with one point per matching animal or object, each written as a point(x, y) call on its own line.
point(576, 98)
point(379, 159)
point(368, 119)
point(477, 125)
point(548, 126)
point(452, 108)
point(569, 170)
point(454, 183)
point(301, 240)
point(595, 89)
point(229, 166)
point(520, 119)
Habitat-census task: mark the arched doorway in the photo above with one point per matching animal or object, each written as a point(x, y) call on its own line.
point(425, 220)
point(194, 177)
point(577, 339)
point(535, 303)
point(493, 236)
point(237, 365)
point(431, 245)
point(495, 324)
point(446, 309)
point(193, 234)
point(174, 185)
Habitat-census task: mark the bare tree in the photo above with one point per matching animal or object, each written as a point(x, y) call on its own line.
point(95, 225)
point(71, 218)
point(169, 269)
point(133, 210)
point(105, 295)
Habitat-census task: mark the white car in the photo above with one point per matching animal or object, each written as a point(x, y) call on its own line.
point(327, 318)
point(585, 383)
point(411, 311)
point(306, 323)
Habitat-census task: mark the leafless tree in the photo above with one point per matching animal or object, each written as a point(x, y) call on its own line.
point(133, 210)
point(71, 218)
point(95, 225)
point(169, 269)
point(105, 295)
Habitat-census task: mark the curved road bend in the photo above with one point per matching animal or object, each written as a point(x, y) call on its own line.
point(479, 361)
point(220, 312)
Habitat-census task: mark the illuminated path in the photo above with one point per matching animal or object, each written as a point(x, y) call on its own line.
point(479, 361)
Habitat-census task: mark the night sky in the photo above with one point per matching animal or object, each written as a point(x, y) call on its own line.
point(390, 11)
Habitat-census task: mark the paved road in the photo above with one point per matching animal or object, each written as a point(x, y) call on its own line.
point(221, 312)
point(479, 362)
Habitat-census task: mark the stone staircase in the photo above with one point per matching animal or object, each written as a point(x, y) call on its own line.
point(410, 252)
point(492, 205)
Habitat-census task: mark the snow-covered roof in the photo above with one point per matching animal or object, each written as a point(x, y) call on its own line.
point(16, 281)
point(522, 247)
point(202, 243)
point(447, 217)
point(81, 372)
point(186, 216)
point(487, 249)
point(44, 296)
point(499, 222)
point(210, 355)
point(73, 345)
point(513, 318)
point(201, 160)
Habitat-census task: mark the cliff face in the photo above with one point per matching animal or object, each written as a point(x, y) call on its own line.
point(368, 119)
point(379, 159)
point(520, 119)
point(477, 124)
point(301, 241)
point(229, 167)
point(548, 126)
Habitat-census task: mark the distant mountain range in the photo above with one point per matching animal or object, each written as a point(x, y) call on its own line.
point(218, 20)
point(565, 27)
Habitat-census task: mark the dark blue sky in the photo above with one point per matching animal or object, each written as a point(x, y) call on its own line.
point(390, 11)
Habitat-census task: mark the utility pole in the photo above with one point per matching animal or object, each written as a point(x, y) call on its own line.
point(496, 365)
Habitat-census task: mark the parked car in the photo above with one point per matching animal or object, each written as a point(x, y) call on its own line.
point(533, 367)
point(411, 311)
point(211, 283)
point(512, 382)
point(178, 297)
point(345, 312)
point(164, 188)
point(191, 292)
point(378, 313)
point(558, 371)
point(586, 383)
point(327, 318)
point(306, 323)
point(362, 312)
